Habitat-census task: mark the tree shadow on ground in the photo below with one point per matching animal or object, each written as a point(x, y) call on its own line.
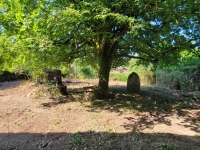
point(10, 85)
point(53, 102)
point(146, 100)
point(97, 141)
point(152, 107)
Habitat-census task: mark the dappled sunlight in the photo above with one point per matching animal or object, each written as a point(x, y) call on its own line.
point(150, 111)
point(191, 119)
point(149, 119)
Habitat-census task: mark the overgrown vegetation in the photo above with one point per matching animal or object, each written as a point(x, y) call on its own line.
point(185, 74)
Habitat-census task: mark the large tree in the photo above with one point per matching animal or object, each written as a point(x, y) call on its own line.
point(50, 32)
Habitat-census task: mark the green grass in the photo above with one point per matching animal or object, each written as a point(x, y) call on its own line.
point(119, 76)
point(165, 146)
point(21, 121)
point(136, 137)
point(95, 117)
point(56, 122)
point(111, 128)
point(197, 147)
point(198, 136)
point(77, 140)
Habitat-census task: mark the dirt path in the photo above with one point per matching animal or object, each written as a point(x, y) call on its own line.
point(127, 122)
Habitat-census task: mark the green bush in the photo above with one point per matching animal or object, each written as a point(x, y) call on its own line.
point(86, 73)
point(148, 77)
point(119, 76)
point(145, 73)
point(167, 79)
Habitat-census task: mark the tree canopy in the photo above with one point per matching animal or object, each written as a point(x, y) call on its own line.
point(45, 33)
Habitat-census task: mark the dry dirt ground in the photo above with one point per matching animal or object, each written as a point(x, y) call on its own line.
point(154, 119)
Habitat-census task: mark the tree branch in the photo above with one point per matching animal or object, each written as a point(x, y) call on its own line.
point(139, 51)
point(177, 47)
point(138, 57)
point(115, 43)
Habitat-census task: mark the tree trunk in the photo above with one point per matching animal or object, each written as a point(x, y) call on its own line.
point(104, 72)
point(106, 55)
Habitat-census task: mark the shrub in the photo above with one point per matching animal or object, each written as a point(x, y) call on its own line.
point(168, 78)
point(119, 76)
point(86, 73)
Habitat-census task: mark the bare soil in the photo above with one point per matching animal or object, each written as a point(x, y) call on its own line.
point(154, 119)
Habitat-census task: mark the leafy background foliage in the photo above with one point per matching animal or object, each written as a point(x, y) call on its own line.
point(61, 34)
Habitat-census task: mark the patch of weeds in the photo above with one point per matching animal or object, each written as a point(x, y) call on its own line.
point(197, 147)
point(127, 108)
point(48, 91)
point(110, 143)
point(137, 136)
point(165, 146)
point(78, 106)
point(76, 140)
point(101, 139)
point(194, 96)
point(54, 91)
point(95, 127)
point(25, 110)
point(26, 83)
point(4, 125)
point(111, 140)
point(57, 122)
point(111, 128)
point(32, 115)
point(138, 113)
point(95, 117)
point(98, 103)
point(20, 121)
point(198, 136)
point(184, 104)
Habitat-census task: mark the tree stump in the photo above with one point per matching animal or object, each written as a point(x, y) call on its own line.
point(133, 83)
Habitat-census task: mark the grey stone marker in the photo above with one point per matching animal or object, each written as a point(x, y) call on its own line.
point(133, 83)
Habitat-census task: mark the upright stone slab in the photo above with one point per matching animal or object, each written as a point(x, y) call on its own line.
point(133, 83)
point(55, 77)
